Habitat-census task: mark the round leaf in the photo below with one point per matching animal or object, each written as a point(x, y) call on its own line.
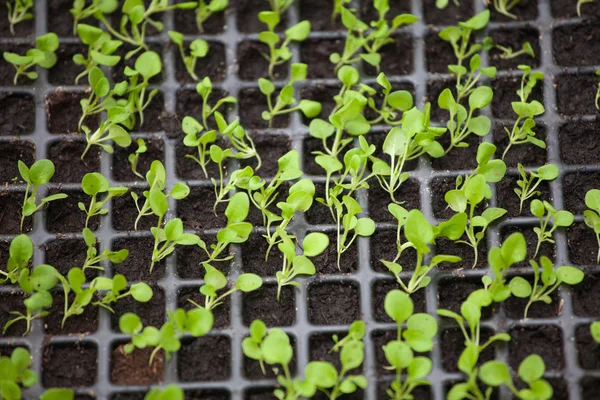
point(315, 243)
point(398, 306)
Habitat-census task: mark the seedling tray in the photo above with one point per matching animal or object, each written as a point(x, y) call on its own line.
point(36, 122)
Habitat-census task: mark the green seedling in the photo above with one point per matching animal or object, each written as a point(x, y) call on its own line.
point(237, 135)
point(591, 217)
point(522, 131)
point(16, 374)
point(507, 52)
point(101, 49)
point(19, 256)
point(115, 289)
point(280, 6)
point(102, 98)
point(214, 280)
point(198, 49)
point(356, 332)
point(557, 218)
point(282, 54)
point(134, 158)
point(110, 130)
point(337, 9)
point(411, 370)
point(42, 55)
point(472, 190)
point(545, 282)
point(580, 3)
point(19, 12)
point(80, 11)
point(147, 66)
point(441, 4)
point(352, 225)
point(528, 184)
point(169, 392)
point(92, 259)
point(354, 39)
point(504, 7)
point(206, 8)
point(420, 235)
point(595, 331)
point(38, 174)
point(462, 123)
point(286, 103)
point(157, 179)
point(459, 37)
point(58, 394)
point(165, 239)
point(94, 184)
point(37, 284)
point(394, 102)
point(197, 322)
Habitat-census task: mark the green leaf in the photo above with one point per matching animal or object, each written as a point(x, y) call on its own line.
point(494, 373)
point(480, 125)
point(352, 354)
point(238, 208)
point(548, 172)
point(130, 324)
point(148, 64)
point(477, 22)
point(94, 183)
point(248, 282)
point(418, 231)
point(396, 142)
point(348, 75)
point(592, 199)
point(519, 287)
point(398, 354)
point(364, 227)
point(419, 367)
point(309, 108)
point(595, 331)
point(200, 321)
point(58, 394)
point(569, 275)
point(298, 32)
point(322, 374)
point(41, 172)
point(532, 368)
point(276, 347)
point(315, 243)
point(481, 97)
point(514, 248)
point(141, 292)
point(475, 189)
point(398, 306)
point(400, 100)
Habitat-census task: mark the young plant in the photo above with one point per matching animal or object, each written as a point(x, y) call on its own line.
point(504, 7)
point(214, 280)
point(522, 130)
point(472, 190)
point(527, 185)
point(508, 53)
point(411, 370)
point(19, 256)
point(38, 174)
point(80, 11)
point(286, 103)
point(18, 12)
point(42, 55)
point(544, 282)
point(337, 9)
point(206, 8)
point(354, 39)
point(102, 97)
point(101, 49)
point(94, 184)
point(352, 225)
point(591, 217)
point(198, 49)
point(560, 218)
point(147, 66)
point(92, 259)
point(197, 322)
point(394, 102)
point(109, 130)
point(169, 392)
point(165, 239)
point(115, 290)
point(134, 157)
point(16, 374)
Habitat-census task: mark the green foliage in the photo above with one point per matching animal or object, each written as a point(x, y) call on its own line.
point(15, 374)
point(528, 184)
point(147, 66)
point(337, 9)
point(115, 289)
point(81, 11)
point(353, 226)
point(198, 49)
point(18, 12)
point(58, 394)
point(94, 184)
point(411, 370)
point(206, 8)
point(38, 174)
point(42, 55)
point(393, 104)
point(214, 280)
point(134, 157)
point(507, 52)
point(19, 256)
point(595, 331)
point(522, 130)
point(504, 7)
point(472, 190)
point(286, 103)
point(169, 392)
point(197, 322)
point(591, 217)
point(101, 49)
point(165, 239)
point(544, 282)
point(512, 251)
point(110, 130)
point(560, 218)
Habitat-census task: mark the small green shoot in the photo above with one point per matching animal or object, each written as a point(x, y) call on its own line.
point(101, 49)
point(134, 158)
point(18, 12)
point(206, 8)
point(16, 374)
point(504, 7)
point(508, 53)
point(512, 251)
point(198, 49)
point(591, 217)
point(580, 3)
point(169, 392)
point(80, 11)
point(109, 130)
point(337, 9)
point(214, 280)
point(42, 55)
point(115, 289)
point(352, 225)
point(394, 102)
point(102, 97)
point(19, 256)
point(165, 239)
point(527, 185)
point(147, 66)
point(557, 218)
point(94, 184)
point(92, 259)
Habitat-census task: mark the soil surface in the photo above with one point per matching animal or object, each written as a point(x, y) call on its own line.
point(17, 114)
point(333, 303)
point(70, 365)
point(134, 368)
point(214, 365)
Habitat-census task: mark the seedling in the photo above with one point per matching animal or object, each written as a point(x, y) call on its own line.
point(441, 4)
point(166, 239)
point(357, 331)
point(507, 52)
point(527, 185)
point(595, 331)
point(197, 322)
point(92, 259)
point(418, 337)
point(544, 282)
point(147, 66)
point(354, 39)
point(512, 251)
point(18, 12)
point(560, 218)
point(102, 97)
point(580, 3)
point(83, 296)
point(472, 190)
point(94, 184)
point(81, 12)
point(157, 178)
point(286, 103)
point(337, 8)
point(526, 112)
point(461, 123)
point(282, 54)
point(19, 256)
point(352, 225)
point(38, 174)
point(591, 217)
point(101, 48)
point(134, 157)
point(16, 373)
point(115, 290)
point(42, 55)
point(198, 49)
point(394, 102)
point(169, 392)
point(214, 280)
point(206, 8)
point(109, 130)
point(504, 7)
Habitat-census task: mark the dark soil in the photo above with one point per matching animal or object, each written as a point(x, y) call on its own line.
point(64, 111)
point(381, 288)
point(122, 168)
point(575, 186)
point(7, 71)
point(23, 28)
point(10, 154)
point(408, 195)
point(438, 53)
point(262, 304)
point(454, 344)
point(185, 21)
point(546, 249)
point(505, 92)
point(543, 340)
point(65, 71)
point(64, 215)
point(152, 115)
point(459, 158)
point(258, 393)
point(252, 371)
point(526, 10)
point(514, 307)
point(134, 368)
point(578, 142)
point(83, 324)
point(188, 168)
point(12, 203)
point(213, 65)
point(396, 58)
point(575, 94)
point(64, 254)
point(196, 210)
point(253, 256)
point(465, 252)
point(70, 365)
point(419, 393)
point(319, 214)
point(310, 166)
point(136, 267)
point(247, 16)
point(318, 14)
point(118, 74)
point(326, 262)
point(576, 45)
point(590, 387)
point(585, 299)
point(527, 154)
point(11, 302)
point(383, 247)
point(324, 95)
point(515, 38)
point(251, 105)
point(252, 65)
point(66, 156)
point(151, 313)
point(316, 52)
point(60, 20)
point(583, 244)
point(213, 365)
point(17, 114)
point(453, 292)
point(333, 303)
point(507, 198)
point(450, 15)
point(222, 314)
point(566, 9)
point(124, 213)
point(190, 257)
point(588, 349)
point(270, 148)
